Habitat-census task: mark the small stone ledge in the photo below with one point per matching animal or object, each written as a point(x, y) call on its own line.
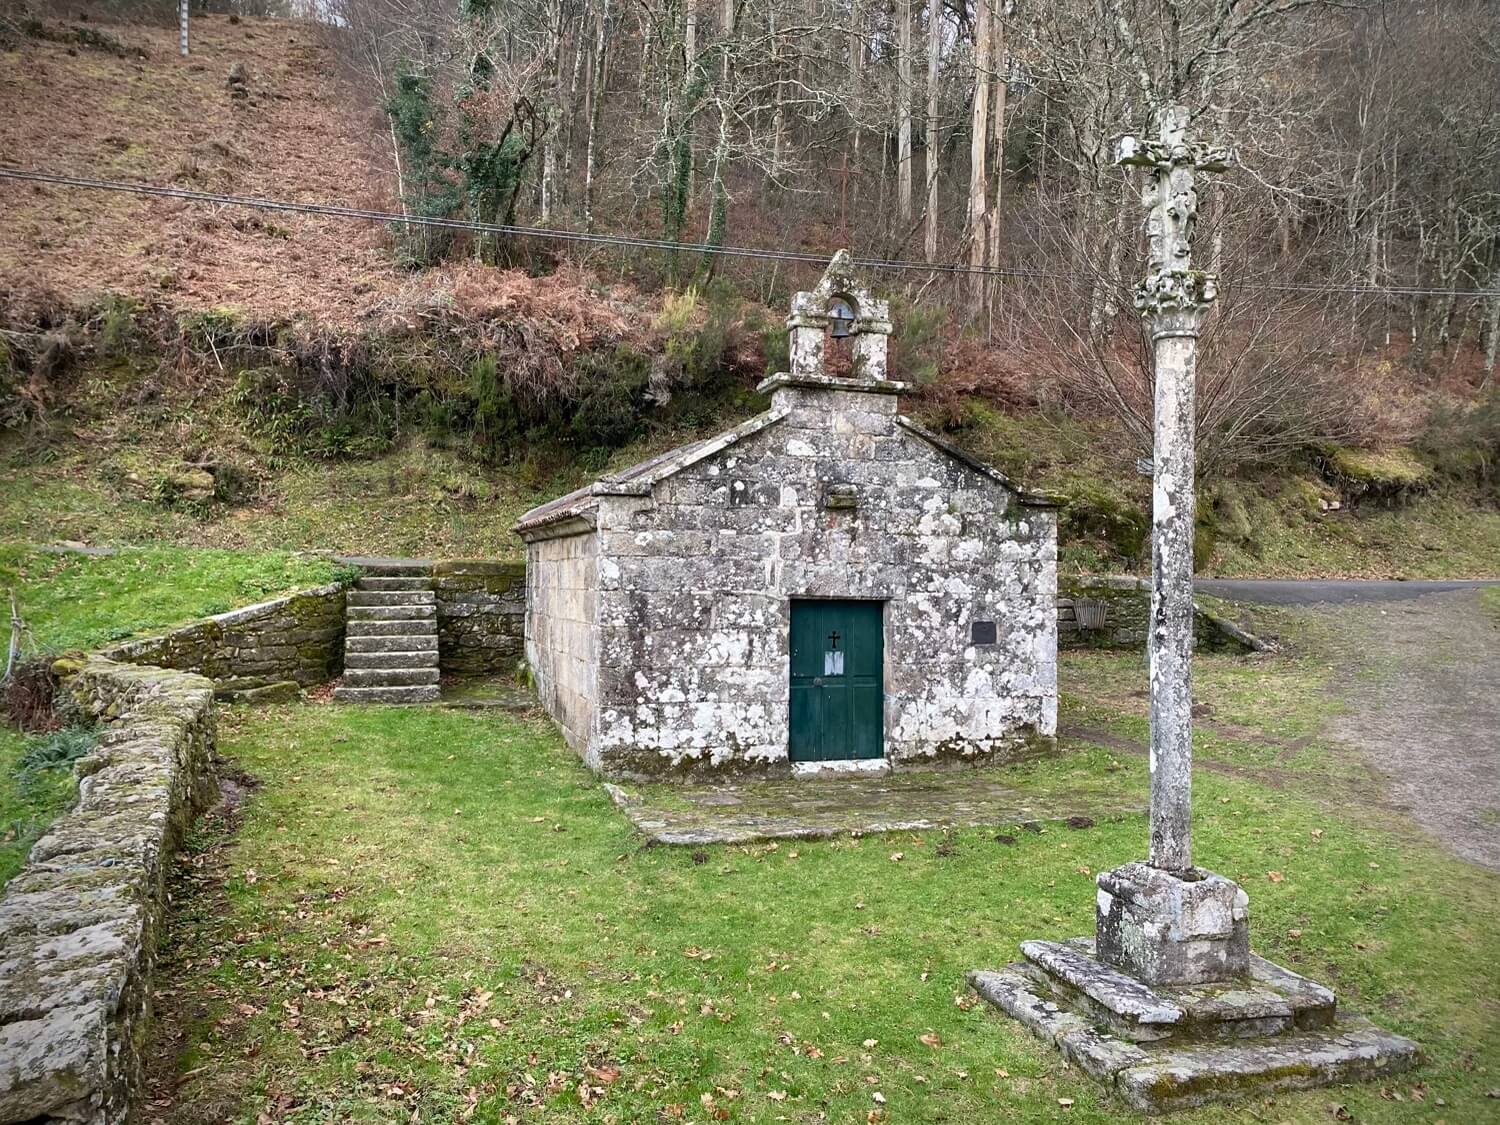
point(1126, 603)
point(79, 923)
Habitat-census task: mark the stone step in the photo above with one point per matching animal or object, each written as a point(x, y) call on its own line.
point(390, 597)
point(1125, 1005)
point(388, 568)
point(1176, 1074)
point(408, 627)
point(388, 642)
point(1313, 1006)
point(386, 582)
point(1352, 1049)
point(424, 693)
point(408, 659)
point(389, 677)
point(1234, 1009)
point(390, 612)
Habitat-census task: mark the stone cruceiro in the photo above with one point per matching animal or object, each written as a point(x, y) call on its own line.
point(1167, 1004)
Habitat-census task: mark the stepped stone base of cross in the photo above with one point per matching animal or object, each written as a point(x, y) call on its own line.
point(1168, 1006)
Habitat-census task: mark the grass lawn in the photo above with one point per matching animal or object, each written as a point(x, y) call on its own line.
point(79, 602)
point(26, 809)
point(438, 916)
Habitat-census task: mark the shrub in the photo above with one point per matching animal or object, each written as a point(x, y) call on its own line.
point(610, 414)
point(1464, 442)
point(1090, 511)
point(497, 421)
point(304, 422)
point(917, 344)
point(116, 333)
point(48, 758)
point(29, 695)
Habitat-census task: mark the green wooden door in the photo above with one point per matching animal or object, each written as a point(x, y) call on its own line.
point(837, 676)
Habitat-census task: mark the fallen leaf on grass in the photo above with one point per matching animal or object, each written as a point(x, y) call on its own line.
point(1276, 876)
point(931, 1039)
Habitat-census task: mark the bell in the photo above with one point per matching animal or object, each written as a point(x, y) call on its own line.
point(840, 320)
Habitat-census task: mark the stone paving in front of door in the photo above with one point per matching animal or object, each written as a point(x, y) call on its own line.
point(820, 808)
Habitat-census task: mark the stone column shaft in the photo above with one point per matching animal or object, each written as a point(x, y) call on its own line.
point(1170, 641)
point(1173, 300)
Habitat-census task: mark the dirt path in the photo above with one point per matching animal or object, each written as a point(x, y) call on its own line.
point(1423, 708)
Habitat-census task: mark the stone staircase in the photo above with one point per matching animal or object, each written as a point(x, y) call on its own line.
point(391, 638)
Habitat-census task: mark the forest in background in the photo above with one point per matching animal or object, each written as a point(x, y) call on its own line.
point(1358, 220)
point(1363, 205)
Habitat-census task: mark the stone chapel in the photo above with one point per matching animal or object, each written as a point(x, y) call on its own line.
point(827, 586)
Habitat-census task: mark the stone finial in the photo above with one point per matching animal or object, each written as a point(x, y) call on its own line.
point(807, 325)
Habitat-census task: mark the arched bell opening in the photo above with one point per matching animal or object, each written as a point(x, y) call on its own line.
point(842, 315)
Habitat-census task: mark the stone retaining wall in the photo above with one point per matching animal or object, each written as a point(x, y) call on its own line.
point(1127, 603)
point(79, 923)
point(249, 652)
point(481, 610)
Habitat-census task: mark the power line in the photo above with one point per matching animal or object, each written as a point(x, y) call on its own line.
point(554, 234)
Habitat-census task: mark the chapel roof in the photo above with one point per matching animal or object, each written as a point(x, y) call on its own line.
point(639, 479)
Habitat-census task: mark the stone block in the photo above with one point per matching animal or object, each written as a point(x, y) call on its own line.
point(1351, 1050)
point(1166, 928)
point(1123, 1004)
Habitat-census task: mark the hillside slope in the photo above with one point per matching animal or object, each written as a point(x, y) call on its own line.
point(163, 119)
point(164, 339)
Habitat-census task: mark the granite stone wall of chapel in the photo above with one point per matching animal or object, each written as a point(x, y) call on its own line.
point(839, 498)
point(560, 593)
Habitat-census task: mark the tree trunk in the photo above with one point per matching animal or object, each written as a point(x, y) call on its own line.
point(934, 47)
point(778, 115)
point(690, 71)
point(903, 115)
point(978, 132)
point(1002, 71)
point(591, 165)
point(1491, 338)
point(856, 76)
point(550, 139)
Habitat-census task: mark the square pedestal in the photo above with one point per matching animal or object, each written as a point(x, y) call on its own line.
point(1164, 927)
point(1168, 1047)
point(1168, 1006)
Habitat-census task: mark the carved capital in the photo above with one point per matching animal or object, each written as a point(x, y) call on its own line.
point(1180, 297)
point(1133, 152)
